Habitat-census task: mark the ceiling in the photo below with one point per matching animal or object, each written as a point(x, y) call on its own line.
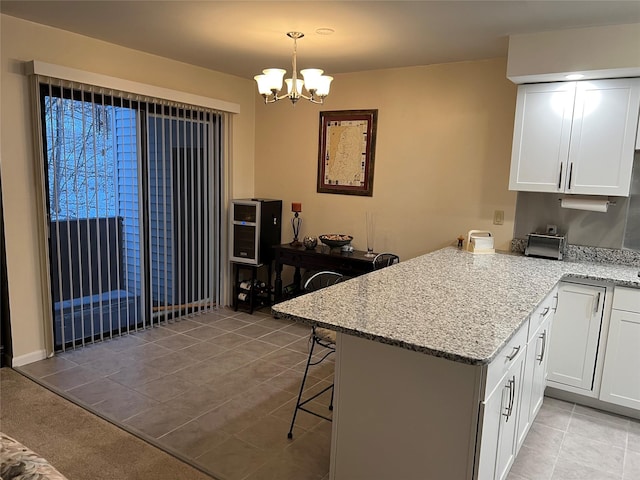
point(243, 37)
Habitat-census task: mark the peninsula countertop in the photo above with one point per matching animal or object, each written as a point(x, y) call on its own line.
point(449, 303)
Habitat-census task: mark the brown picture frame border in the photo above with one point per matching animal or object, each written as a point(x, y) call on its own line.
point(371, 117)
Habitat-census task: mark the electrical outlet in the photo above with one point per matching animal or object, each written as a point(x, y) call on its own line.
point(498, 217)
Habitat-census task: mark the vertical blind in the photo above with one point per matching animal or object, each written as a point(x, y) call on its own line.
point(134, 198)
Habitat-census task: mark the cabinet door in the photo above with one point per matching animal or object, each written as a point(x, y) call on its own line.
point(576, 330)
point(490, 413)
point(509, 419)
point(605, 120)
point(540, 346)
point(541, 137)
point(621, 374)
point(499, 415)
point(534, 379)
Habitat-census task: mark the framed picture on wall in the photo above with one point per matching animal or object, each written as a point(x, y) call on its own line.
point(346, 152)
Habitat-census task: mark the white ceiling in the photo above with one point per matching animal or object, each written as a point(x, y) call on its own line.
point(243, 37)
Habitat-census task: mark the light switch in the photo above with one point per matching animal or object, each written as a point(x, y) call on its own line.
point(498, 217)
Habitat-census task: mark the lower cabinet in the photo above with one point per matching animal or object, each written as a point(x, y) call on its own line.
point(512, 405)
point(621, 373)
point(535, 377)
point(576, 333)
point(404, 414)
point(500, 413)
point(594, 351)
point(539, 358)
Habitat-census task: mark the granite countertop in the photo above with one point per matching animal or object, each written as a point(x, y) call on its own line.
point(449, 303)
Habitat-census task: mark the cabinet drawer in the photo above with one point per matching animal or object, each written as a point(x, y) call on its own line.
point(546, 308)
point(626, 299)
point(506, 358)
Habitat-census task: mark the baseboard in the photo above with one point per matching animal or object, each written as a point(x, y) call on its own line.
point(29, 358)
point(591, 402)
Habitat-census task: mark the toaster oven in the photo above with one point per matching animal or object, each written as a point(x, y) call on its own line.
point(545, 246)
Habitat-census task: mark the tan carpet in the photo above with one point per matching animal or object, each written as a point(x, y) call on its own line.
point(78, 443)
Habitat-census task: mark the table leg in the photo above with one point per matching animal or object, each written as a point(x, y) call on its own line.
point(297, 280)
point(269, 290)
point(278, 283)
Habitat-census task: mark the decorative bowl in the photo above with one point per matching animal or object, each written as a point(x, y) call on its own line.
point(335, 240)
point(310, 242)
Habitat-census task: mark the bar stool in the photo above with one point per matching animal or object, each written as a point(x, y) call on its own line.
point(322, 337)
point(383, 260)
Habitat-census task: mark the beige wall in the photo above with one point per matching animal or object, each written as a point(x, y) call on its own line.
point(441, 163)
point(23, 41)
point(442, 156)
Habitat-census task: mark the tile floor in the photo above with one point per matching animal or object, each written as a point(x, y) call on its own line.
point(569, 441)
point(218, 390)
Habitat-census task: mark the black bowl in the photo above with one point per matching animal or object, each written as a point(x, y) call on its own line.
point(335, 243)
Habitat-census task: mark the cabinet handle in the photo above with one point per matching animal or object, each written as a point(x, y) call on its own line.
point(570, 175)
point(544, 312)
point(515, 352)
point(597, 303)
point(511, 385)
point(543, 336)
point(560, 178)
point(555, 308)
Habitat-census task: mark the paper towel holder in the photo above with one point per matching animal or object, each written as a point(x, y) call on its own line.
point(608, 203)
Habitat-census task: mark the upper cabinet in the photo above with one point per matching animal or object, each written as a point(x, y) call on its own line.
point(575, 137)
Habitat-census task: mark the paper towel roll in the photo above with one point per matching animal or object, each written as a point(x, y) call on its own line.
point(590, 204)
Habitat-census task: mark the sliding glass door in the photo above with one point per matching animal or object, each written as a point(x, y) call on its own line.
point(180, 211)
point(134, 198)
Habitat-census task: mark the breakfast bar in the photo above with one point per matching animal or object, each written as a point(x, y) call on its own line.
point(430, 357)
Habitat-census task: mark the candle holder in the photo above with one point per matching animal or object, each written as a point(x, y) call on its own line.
point(296, 221)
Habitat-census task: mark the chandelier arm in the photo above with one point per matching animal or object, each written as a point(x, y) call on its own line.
point(276, 98)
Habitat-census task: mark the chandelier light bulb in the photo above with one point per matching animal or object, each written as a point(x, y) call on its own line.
point(263, 84)
point(299, 85)
point(324, 83)
point(274, 78)
point(311, 78)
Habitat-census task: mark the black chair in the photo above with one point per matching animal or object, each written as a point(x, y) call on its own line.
point(383, 260)
point(322, 337)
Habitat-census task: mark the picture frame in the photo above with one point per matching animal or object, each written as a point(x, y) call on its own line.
point(346, 152)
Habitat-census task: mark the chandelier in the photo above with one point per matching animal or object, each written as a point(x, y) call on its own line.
point(313, 80)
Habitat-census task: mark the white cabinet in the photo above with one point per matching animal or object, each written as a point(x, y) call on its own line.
point(539, 355)
point(576, 331)
point(621, 373)
point(499, 419)
point(575, 137)
point(535, 369)
point(510, 410)
point(501, 409)
point(432, 418)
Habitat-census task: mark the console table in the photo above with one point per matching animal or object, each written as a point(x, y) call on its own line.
point(320, 258)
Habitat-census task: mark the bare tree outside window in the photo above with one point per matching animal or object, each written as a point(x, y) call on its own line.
point(81, 159)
